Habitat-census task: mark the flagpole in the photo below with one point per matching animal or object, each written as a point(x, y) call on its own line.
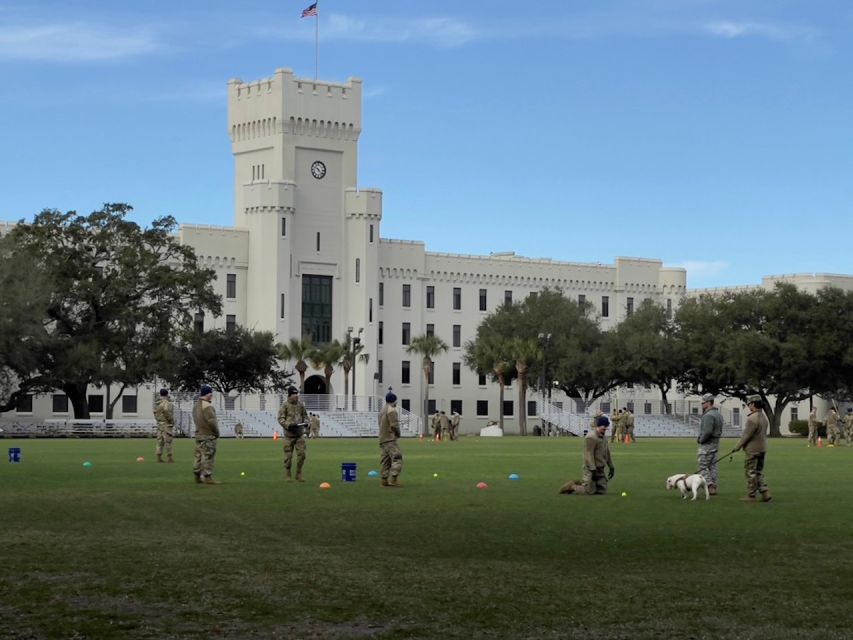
point(317, 44)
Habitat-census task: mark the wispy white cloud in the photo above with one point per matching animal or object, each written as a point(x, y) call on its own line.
point(75, 42)
point(730, 29)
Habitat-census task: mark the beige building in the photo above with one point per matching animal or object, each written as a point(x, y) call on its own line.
point(306, 256)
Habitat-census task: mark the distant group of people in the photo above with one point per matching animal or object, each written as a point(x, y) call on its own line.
point(836, 427)
point(623, 426)
point(444, 427)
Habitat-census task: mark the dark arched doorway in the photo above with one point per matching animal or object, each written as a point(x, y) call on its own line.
point(315, 385)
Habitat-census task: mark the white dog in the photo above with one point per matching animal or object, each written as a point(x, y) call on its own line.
point(685, 484)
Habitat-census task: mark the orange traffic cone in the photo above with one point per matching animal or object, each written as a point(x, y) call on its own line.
point(275, 435)
point(819, 442)
point(627, 439)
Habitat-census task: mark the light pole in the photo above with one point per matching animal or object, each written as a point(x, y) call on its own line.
point(355, 342)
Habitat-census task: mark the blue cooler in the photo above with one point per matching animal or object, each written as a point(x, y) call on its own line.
point(348, 471)
point(15, 456)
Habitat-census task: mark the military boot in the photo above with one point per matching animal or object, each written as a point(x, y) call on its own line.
point(159, 457)
point(712, 489)
point(210, 480)
point(170, 458)
point(385, 482)
point(765, 496)
point(299, 476)
point(394, 482)
point(748, 499)
point(287, 475)
point(198, 479)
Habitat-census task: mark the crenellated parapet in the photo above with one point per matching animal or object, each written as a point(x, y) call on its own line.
point(272, 196)
point(363, 203)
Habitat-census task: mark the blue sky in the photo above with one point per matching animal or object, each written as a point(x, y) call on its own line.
point(712, 134)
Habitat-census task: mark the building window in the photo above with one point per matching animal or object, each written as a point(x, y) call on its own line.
point(430, 300)
point(795, 414)
point(381, 294)
point(284, 227)
point(228, 401)
point(379, 371)
point(407, 295)
point(198, 322)
point(405, 372)
point(430, 330)
point(532, 408)
point(457, 298)
point(60, 403)
point(407, 333)
point(96, 403)
point(357, 270)
point(736, 417)
point(605, 307)
point(647, 408)
point(508, 298)
point(456, 405)
point(381, 332)
point(669, 309)
point(370, 233)
point(508, 408)
point(457, 373)
point(630, 385)
point(630, 306)
point(431, 406)
point(604, 407)
point(581, 299)
point(482, 299)
point(482, 407)
point(406, 404)
point(281, 313)
point(317, 308)
point(231, 286)
point(318, 241)
point(630, 406)
point(230, 322)
point(457, 335)
point(370, 310)
point(129, 404)
point(481, 379)
point(25, 404)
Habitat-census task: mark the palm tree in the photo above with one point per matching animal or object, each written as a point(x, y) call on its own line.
point(490, 355)
point(325, 357)
point(524, 352)
point(350, 354)
point(297, 350)
point(427, 346)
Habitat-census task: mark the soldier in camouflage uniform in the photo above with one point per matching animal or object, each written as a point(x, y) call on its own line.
point(710, 430)
point(754, 443)
point(629, 426)
point(163, 414)
point(813, 425)
point(617, 426)
point(314, 424)
point(436, 426)
point(444, 422)
point(293, 417)
point(391, 461)
point(848, 422)
point(454, 426)
point(206, 434)
point(832, 426)
point(596, 456)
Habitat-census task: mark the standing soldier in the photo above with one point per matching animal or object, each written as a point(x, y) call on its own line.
point(294, 418)
point(754, 445)
point(813, 425)
point(391, 461)
point(238, 431)
point(710, 430)
point(615, 425)
point(444, 421)
point(629, 426)
point(315, 426)
point(832, 426)
point(206, 434)
point(454, 425)
point(436, 426)
point(163, 414)
point(848, 422)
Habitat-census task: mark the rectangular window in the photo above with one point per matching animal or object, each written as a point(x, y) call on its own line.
point(60, 403)
point(482, 407)
point(25, 404)
point(531, 408)
point(405, 372)
point(379, 371)
point(581, 299)
point(630, 406)
point(430, 329)
point(406, 404)
point(318, 241)
point(456, 405)
point(381, 294)
point(281, 312)
point(482, 299)
point(198, 322)
point(370, 310)
point(129, 404)
point(407, 295)
point(431, 406)
point(669, 309)
point(605, 307)
point(647, 408)
point(630, 306)
point(284, 227)
point(795, 413)
point(231, 286)
point(508, 408)
point(230, 322)
point(457, 298)
point(457, 335)
point(370, 233)
point(604, 407)
point(381, 332)
point(229, 402)
point(508, 298)
point(317, 308)
point(430, 300)
point(457, 373)
point(630, 385)
point(736, 417)
point(357, 270)
point(407, 333)
point(481, 379)
point(96, 403)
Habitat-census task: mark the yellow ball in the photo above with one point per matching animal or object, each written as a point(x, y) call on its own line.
point(624, 494)
point(435, 475)
point(242, 473)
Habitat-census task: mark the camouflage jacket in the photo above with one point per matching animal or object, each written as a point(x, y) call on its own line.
point(163, 414)
point(204, 417)
point(291, 414)
point(389, 424)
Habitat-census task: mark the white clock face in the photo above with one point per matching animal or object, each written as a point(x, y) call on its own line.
point(318, 170)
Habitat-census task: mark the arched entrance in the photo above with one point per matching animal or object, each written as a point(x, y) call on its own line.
point(315, 385)
point(314, 395)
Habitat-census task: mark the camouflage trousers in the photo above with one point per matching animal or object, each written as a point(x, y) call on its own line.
point(706, 456)
point(833, 434)
point(848, 433)
point(753, 466)
point(291, 444)
point(594, 481)
point(618, 434)
point(205, 455)
point(812, 434)
point(164, 442)
point(391, 461)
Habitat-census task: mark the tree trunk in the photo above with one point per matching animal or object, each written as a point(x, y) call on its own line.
point(346, 388)
point(425, 427)
point(775, 418)
point(501, 403)
point(522, 405)
point(664, 389)
point(112, 403)
point(76, 393)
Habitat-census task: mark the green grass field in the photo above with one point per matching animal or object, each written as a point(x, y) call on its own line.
point(137, 550)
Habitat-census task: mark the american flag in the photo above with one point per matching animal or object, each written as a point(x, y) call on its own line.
point(310, 11)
